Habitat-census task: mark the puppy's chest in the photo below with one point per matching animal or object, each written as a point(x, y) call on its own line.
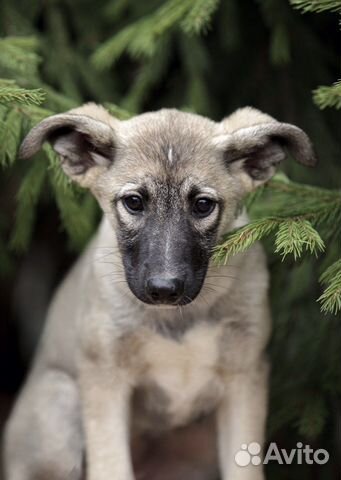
point(181, 379)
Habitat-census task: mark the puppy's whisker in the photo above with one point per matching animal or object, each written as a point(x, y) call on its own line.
point(104, 255)
point(114, 263)
point(222, 267)
point(180, 312)
point(221, 276)
point(214, 286)
point(203, 298)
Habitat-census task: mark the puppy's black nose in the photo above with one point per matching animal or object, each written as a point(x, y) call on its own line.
point(164, 290)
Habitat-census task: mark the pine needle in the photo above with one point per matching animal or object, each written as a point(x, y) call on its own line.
point(328, 96)
point(294, 236)
point(331, 297)
point(199, 17)
point(28, 196)
point(317, 5)
point(243, 238)
point(10, 134)
point(17, 95)
point(140, 39)
point(17, 55)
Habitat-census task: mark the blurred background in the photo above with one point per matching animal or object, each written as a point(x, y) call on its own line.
point(207, 56)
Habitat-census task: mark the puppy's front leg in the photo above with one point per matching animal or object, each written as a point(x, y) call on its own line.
point(105, 395)
point(241, 420)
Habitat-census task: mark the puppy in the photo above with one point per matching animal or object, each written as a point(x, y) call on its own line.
point(152, 364)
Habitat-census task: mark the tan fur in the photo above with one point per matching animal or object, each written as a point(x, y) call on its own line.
point(102, 347)
point(244, 118)
point(96, 112)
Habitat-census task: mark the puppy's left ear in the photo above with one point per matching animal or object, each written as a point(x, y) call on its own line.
point(83, 138)
point(255, 143)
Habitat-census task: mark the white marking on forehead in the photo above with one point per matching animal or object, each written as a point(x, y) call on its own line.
point(170, 155)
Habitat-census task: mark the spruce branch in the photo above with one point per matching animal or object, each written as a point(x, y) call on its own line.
point(55, 170)
point(280, 49)
point(28, 196)
point(328, 96)
point(18, 56)
point(317, 5)
point(15, 94)
point(276, 16)
point(10, 134)
point(243, 238)
point(34, 114)
point(148, 76)
point(140, 38)
point(294, 212)
point(195, 58)
point(28, 43)
point(115, 8)
point(111, 50)
point(199, 17)
point(281, 197)
point(294, 236)
point(331, 297)
point(74, 219)
point(282, 184)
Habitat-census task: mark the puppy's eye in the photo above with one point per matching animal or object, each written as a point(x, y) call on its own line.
point(133, 203)
point(203, 207)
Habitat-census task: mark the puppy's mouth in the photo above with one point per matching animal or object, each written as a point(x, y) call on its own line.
point(181, 303)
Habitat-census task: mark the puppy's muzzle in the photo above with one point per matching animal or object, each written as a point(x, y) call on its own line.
point(165, 290)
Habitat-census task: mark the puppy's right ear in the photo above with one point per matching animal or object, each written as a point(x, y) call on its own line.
point(255, 143)
point(82, 143)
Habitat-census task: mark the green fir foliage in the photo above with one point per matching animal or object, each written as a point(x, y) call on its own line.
point(328, 96)
point(317, 5)
point(331, 297)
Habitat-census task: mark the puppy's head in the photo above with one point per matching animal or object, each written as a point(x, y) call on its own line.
point(169, 183)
